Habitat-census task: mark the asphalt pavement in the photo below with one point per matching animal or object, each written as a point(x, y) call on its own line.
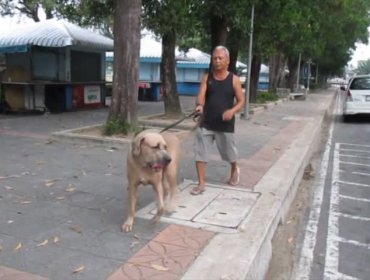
point(63, 199)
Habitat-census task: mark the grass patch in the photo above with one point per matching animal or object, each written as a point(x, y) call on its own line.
point(116, 126)
point(263, 97)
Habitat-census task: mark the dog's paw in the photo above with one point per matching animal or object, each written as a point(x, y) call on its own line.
point(127, 226)
point(158, 215)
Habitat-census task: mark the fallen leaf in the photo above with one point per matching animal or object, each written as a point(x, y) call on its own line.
point(43, 243)
point(49, 183)
point(136, 236)
point(70, 188)
point(76, 229)
point(49, 141)
point(159, 267)
point(56, 239)
point(290, 240)
point(25, 202)
point(289, 222)
point(79, 269)
point(19, 246)
point(1, 247)
point(10, 176)
point(133, 244)
point(40, 162)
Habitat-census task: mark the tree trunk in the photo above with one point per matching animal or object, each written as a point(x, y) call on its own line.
point(292, 80)
point(233, 44)
point(126, 60)
point(274, 72)
point(218, 31)
point(255, 74)
point(168, 76)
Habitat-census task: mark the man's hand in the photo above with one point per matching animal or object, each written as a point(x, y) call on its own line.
point(199, 109)
point(228, 115)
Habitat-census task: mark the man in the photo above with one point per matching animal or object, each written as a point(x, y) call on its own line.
point(216, 101)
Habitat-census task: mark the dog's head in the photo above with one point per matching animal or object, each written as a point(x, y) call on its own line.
point(151, 150)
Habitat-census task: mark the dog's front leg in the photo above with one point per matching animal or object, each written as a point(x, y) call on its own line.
point(132, 197)
point(160, 202)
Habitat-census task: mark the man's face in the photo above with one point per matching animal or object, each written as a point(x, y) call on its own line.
point(220, 60)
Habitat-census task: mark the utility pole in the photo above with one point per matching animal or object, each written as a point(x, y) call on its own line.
point(308, 77)
point(245, 114)
point(298, 72)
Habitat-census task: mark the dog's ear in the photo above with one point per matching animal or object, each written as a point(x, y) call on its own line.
point(136, 145)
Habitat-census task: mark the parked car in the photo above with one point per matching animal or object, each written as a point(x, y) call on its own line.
point(357, 100)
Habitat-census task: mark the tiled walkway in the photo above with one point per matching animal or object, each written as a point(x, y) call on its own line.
point(167, 256)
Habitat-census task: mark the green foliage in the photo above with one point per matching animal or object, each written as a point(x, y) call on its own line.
point(363, 67)
point(117, 126)
point(263, 97)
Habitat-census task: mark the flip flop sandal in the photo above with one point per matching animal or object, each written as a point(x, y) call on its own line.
point(197, 190)
point(236, 178)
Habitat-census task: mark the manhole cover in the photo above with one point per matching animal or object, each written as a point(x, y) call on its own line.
point(220, 208)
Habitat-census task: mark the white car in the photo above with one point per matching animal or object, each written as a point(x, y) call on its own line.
point(357, 99)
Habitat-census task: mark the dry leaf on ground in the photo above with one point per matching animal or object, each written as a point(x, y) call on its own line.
point(70, 188)
point(1, 247)
point(26, 202)
point(79, 269)
point(18, 247)
point(43, 243)
point(76, 229)
point(159, 267)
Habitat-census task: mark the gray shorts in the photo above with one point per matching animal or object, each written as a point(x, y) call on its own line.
point(225, 143)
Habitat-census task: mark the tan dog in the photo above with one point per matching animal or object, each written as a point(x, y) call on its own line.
point(153, 160)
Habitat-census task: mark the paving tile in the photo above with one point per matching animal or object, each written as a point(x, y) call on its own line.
point(257, 165)
point(7, 273)
point(183, 236)
point(173, 258)
point(130, 271)
point(167, 256)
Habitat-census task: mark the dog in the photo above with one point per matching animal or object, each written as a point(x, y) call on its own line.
point(153, 159)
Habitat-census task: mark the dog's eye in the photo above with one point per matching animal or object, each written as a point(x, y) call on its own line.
point(158, 146)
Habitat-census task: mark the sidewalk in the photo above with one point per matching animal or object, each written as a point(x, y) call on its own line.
point(63, 202)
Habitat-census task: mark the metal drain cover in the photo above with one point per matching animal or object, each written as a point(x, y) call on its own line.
point(220, 208)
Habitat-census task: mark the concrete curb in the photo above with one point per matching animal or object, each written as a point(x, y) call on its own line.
point(149, 120)
point(249, 252)
point(73, 135)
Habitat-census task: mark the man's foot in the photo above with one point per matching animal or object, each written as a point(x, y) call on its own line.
point(235, 177)
point(197, 190)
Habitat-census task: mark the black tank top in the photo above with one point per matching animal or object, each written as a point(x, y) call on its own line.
point(219, 98)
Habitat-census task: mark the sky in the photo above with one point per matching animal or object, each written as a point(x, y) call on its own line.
point(362, 51)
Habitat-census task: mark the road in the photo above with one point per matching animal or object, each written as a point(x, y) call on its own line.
point(336, 243)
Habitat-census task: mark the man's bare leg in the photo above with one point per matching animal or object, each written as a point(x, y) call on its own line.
point(201, 171)
point(234, 173)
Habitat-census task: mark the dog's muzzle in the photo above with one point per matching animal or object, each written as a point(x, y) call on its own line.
point(160, 165)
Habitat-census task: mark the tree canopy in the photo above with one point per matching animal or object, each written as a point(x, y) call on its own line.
point(322, 31)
